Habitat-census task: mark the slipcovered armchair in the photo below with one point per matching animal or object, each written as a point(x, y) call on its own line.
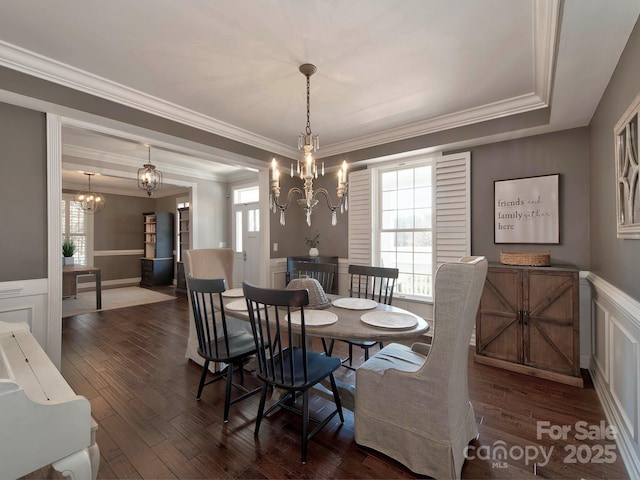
point(210, 263)
point(412, 404)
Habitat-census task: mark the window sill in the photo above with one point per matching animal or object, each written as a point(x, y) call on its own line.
point(413, 299)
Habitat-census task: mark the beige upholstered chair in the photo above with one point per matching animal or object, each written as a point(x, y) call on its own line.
point(414, 407)
point(210, 263)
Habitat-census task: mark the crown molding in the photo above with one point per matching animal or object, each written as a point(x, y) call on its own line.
point(546, 14)
point(546, 28)
point(171, 186)
point(500, 109)
point(165, 191)
point(31, 63)
point(194, 169)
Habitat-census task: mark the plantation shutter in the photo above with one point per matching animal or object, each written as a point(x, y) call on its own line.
point(360, 216)
point(452, 200)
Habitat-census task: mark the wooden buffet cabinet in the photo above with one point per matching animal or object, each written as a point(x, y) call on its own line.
point(528, 322)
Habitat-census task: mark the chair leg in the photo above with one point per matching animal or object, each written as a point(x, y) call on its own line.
point(305, 424)
point(366, 353)
point(241, 365)
point(350, 355)
point(203, 377)
point(336, 396)
point(327, 348)
point(263, 399)
point(227, 395)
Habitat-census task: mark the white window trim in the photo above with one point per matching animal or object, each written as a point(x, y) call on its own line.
point(451, 223)
point(90, 223)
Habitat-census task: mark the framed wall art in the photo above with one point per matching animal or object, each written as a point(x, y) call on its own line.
point(526, 210)
point(626, 133)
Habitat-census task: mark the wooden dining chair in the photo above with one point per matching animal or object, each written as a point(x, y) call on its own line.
point(284, 361)
point(324, 273)
point(373, 283)
point(216, 341)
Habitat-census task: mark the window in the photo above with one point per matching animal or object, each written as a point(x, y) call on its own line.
point(246, 195)
point(75, 227)
point(404, 226)
point(254, 220)
point(413, 216)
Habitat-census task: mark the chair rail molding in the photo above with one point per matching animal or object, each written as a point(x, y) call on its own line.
point(615, 364)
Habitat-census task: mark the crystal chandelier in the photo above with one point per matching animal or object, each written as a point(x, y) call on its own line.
point(307, 170)
point(149, 179)
point(90, 202)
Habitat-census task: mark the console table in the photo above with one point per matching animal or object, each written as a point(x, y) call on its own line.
point(70, 275)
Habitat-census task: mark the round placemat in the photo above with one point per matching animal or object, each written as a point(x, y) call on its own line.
point(389, 319)
point(234, 292)
point(238, 305)
point(355, 303)
point(314, 318)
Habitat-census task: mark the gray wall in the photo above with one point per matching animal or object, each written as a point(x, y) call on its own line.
point(291, 237)
point(23, 194)
point(120, 227)
point(616, 261)
point(23, 143)
point(566, 153)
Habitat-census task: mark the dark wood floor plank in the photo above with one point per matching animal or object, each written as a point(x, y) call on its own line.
point(180, 465)
point(120, 468)
point(137, 451)
point(131, 364)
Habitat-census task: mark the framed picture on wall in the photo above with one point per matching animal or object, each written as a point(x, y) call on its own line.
point(626, 133)
point(526, 210)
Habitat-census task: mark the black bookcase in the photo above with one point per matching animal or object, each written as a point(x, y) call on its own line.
point(157, 264)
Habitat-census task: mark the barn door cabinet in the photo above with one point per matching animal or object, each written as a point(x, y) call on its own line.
point(528, 322)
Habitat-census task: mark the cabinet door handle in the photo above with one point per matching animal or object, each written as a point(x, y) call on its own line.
point(525, 317)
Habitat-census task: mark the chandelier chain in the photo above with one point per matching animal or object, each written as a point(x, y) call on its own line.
point(307, 170)
point(308, 105)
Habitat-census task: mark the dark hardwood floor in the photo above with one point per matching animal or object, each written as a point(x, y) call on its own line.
point(130, 364)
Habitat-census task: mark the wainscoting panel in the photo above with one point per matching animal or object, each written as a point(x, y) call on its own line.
point(600, 338)
point(624, 355)
point(615, 365)
point(278, 272)
point(26, 301)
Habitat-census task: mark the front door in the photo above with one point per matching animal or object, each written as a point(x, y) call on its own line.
point(246, 239)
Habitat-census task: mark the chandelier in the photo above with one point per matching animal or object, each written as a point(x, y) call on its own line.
point(149, 179)
point(89, 201)
point(307, 170)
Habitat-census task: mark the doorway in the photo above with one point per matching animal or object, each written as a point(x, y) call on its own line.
point(246, 238)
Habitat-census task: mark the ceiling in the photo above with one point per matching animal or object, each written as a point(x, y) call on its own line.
point(387, 69)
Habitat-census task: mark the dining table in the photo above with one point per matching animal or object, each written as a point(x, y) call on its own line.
point(345, 318)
